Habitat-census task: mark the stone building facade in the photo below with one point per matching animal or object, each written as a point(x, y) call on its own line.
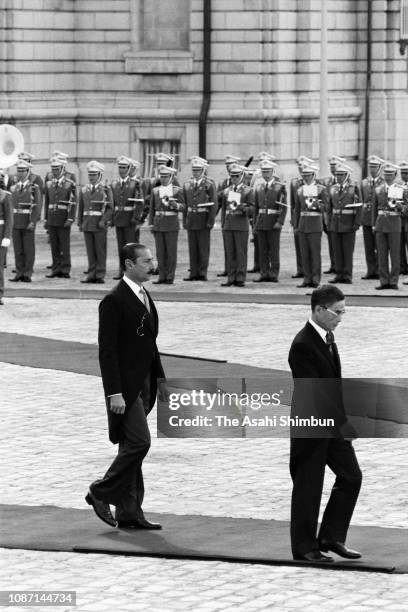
point(99, 78)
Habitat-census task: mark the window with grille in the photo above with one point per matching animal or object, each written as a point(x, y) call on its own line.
point(151, 147)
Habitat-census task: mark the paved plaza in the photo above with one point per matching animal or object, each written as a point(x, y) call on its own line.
point(55, 443)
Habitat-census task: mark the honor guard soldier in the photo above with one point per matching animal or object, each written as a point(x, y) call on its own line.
point(26, 203)
point(404, 216)
point(237, 207)
point(128, 207)
point(311, 202)
point(328, 182)
point(59, 214)
point(32, 177)
point(390, 202)
point(161, 159)
point(368, 186)
point(269, 216)
point(6, 180)
point(166, 201)
point(198, 218)
point(229, 160)
point(94, 215)
point(344, 220)
point(6, 224)
point(295, 183)
point(134, 169)
point(64, 157)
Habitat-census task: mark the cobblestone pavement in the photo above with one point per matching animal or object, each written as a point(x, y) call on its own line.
point(55, 443)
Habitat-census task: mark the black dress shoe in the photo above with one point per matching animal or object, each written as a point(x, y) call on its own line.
point(239, 284)
point(117, 277)
point(88, 280)
point(273, 280)
point(169, 282)
point(303, 285)
point(159, 282)
point(26, 279)
point(227, 284)
point(340, 549)
point(314, 556)
point(393, 287)
point(191, 278)
point(1, 302)
point(261, 279)
point(347, 281)
point(329, 271)
point(336, 279)
point(64, 275)
point(202, 278)
point(253, 271)
point(405, 283)
point(222, 274)
point(101, 508)
point(369, 277)
point(297, 275)
point(99, 281)
point(381, 287)
point(138, 524)
point(53, 275)
point(16, 279)
point(314, 285)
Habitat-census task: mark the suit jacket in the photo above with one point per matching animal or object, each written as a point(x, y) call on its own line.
point(317, 384)
point(128, 354)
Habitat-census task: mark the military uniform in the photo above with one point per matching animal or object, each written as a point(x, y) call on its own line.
point(26, 204)
point(269, 215)
point(59, 214)
point(6, 223)
point(368, 186)
point(95, 210)
point(237, 207)
point(128, 208)
point(311, 202)
point(404, 215)
point(294, 185)
point(166, 201)
point(390, 201)
point(198, 220)
point(344, 221)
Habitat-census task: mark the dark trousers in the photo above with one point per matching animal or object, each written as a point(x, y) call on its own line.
point(343, 245)
point(331, 248)
point(257, 263)
point(225, 251)
point(60, 242)
point(166, 253)
point(388, 244)
point(311, 250)
point(24, 251)
point(122, 485)
point(3, 253)
point(299, 269)
point(130, 233)
point(308, 459)
point(95, 243)
point(269, 245)
point(236, 244)
point(370, 250)
point(404, 251)
point(199, 251)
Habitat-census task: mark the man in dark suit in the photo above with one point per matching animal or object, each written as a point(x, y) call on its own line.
point(316, 369)
point(131, 369)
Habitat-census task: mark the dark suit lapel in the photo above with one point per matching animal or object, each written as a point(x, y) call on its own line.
point(323, 348)
point(154, 319)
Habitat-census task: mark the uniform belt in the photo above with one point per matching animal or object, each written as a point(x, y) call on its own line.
point(342, 211)
point(21, 211)
point(269, 211)
point(58, 206)
point(1, 221)
point(198, 210)
point(93, 213)
point(125, 208)
point(165, 213)
point(310, 213)
point(387, 213)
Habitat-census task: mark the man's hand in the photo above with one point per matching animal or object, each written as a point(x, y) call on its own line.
point(31, 226)
point(117, 404)
point(277, 226)
point(163, 392)
point(68, 223)
point(5, 242)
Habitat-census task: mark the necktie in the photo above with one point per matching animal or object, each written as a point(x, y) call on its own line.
point(330, 341)
point(93, 189)
point(21, 187)
point(145, 299)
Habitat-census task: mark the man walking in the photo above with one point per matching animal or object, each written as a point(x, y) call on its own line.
point(316, 369)
point(130, 367)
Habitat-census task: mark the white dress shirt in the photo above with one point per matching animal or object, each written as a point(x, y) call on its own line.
point(322, 332)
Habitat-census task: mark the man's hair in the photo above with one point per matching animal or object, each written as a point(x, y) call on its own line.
point(131, 250)
point(326, 295)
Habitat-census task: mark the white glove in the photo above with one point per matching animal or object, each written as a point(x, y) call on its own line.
point(5, 242)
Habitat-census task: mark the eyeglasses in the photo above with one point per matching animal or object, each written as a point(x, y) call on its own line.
point(336, 313)
point(140, 330)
